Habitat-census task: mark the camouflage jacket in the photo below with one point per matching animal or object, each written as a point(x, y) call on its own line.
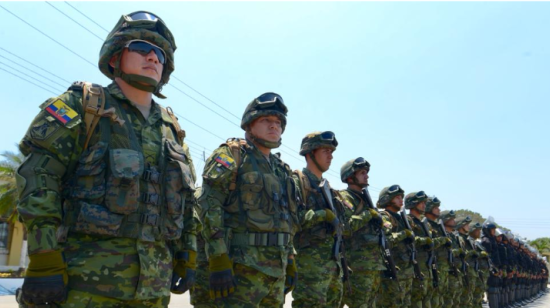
point(255, 223)
point(472, 256)
point(107, 253)
point(421, 239)
point(400, 251)
point(315, 232)
point(439, 240)
point(363, 244)
point(457, 244)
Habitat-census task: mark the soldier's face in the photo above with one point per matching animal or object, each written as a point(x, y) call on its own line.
point(397, 201)
point(323, 156)
point(268, 128)
point(476, 234)
point(135, 63)
point(421, 206)
point(451, 223)
point(362, 177)
point(436, 211)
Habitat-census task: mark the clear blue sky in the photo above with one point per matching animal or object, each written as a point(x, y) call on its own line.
point(449, 98)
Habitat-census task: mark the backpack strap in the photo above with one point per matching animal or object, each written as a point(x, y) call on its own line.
point(93, 104)
point(305, 185)
point(235, 145)
point(180, 132)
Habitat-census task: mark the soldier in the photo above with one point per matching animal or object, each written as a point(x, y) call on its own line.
point(480, 266)
point(442, 246)
point(248, 206)
point(451, 297)
point(106, 190)
point(318, 262)
point(504, 267)
point(422, 291)
point(363, 240)
point(490, 244)
point(396, 293)
point(470, 257)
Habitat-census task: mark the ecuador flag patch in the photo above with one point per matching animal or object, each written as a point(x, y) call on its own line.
point(61, 111)
point(225, 160)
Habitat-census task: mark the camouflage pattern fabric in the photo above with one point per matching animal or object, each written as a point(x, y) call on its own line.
point(454, 290)
point(362, 251)
point(117, 267)
point(391, 296)
point(200, 293)
point(421, 291)
point(230, 216)
point(320, 275)
point(439, 241)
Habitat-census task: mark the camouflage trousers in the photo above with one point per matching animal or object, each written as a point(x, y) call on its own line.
point(419, 292)
point(466, 296)
point(319, 281)
point(438, 293)
point(365, 286)
point(454, 289)
point(78, 299)
point(200, 293)
point(391, 296)
point(479, 290)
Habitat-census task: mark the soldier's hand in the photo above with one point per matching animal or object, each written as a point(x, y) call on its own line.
point(45, 279)
point(331, 218)
point(429, 245)
point(222, 279)
point(448, 243)
point(376, 218)
point(291, 276)
point(408, 235)
point(183, 276)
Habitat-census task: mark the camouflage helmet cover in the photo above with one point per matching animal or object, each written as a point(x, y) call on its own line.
point(387, 194)
point(266, 104)
point(474, 227)
point(432, 203)
point(414, 198)
point(463, 222)
point(351, 166)
point(317, 140)
point(144, 26)
point(447, 215)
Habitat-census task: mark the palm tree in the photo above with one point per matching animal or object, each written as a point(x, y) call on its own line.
point(8, 186)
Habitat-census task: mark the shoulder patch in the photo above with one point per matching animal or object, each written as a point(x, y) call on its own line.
point(59, 110)
point(225, 160)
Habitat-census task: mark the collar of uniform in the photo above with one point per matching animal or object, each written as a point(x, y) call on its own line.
point(355, 194)
point(155, 113)
point(115, 91)
point(312, 177)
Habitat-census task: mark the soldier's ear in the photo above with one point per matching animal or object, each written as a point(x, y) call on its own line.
point(114, 58)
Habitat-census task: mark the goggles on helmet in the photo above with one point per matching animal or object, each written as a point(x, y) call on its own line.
point(142, 15)
point(435, 200)
point(271, 101)
point(328, 136)
point(394, 188)
point(360, 163)
point(421, 194)
point(144, 48)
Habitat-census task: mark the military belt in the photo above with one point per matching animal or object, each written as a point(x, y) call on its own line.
point(147, 219)
point(150, 198)
point(260, 239)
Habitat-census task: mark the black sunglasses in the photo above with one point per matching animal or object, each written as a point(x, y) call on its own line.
point(144, 48)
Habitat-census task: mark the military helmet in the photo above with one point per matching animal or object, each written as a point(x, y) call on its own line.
point(266, 104)
point(414, 198)
point(316, 140)
point(140, 25)
point(463, 222)
point(447, 215)
point(501, 232)
point(351, 166)
point(431, 203)
point(474, 227)
point(387, 194)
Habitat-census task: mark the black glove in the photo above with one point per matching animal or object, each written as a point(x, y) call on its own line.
point(222, 279)
point(183, 277)
point(43, 290)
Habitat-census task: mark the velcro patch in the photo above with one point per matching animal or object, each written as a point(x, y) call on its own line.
point(61, 111)
point(225, 160)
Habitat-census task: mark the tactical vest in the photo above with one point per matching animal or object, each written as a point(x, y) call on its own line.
point(368, 237)
point(456, 245)
point(261, 208)
point(421, 252)
point(113, 193)
point(401, 253)
point(441, 252)
point(314, 200)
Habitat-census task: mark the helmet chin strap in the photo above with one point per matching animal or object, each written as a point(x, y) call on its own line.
point(140, 82)
point(355, 181)
point(265, 143)
point(316, 163)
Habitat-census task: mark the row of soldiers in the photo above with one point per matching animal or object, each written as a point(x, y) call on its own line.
point(257, 214)
point(113, 218)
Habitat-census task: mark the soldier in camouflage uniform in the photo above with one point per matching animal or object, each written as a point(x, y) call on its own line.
point(109, 211)
point(484, 266)
point(396, 293)
point(320, 270)
point(422, 291)
point(248, 208)
point(362, 242)
point(454, 286)
point(471, 258)
point(442, 245)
